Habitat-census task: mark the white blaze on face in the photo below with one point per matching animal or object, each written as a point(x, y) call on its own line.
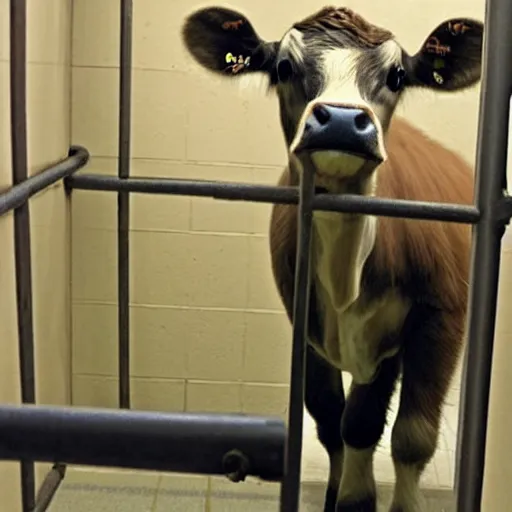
point(338, 68)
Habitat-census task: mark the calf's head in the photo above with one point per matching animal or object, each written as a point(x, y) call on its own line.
point(338, 77)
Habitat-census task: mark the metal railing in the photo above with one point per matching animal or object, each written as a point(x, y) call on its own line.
point(243, 445)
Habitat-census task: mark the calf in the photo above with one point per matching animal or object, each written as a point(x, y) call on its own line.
point(388, 296)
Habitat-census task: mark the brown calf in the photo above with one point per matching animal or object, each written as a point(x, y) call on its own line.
point(388, 296)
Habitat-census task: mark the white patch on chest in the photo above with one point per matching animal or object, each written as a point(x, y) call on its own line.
point(353, 325)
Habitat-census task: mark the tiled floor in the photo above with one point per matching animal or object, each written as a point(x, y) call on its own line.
point(147, 492)
point(91, 489)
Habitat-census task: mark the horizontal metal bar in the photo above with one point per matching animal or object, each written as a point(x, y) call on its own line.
point(346, 203)
point(234, 445)
point(49, 487)
point(17, 195)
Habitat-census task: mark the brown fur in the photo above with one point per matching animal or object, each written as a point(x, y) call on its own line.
point(429, 262)
point(421, 169)
point(436, 253)
point(343, 18)
point(411, 306)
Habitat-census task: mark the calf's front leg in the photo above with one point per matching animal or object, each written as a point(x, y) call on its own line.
point(362, 425)
point(430, 358)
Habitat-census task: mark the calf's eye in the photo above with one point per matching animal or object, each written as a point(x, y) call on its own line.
point(395, 79)
point(284, 70)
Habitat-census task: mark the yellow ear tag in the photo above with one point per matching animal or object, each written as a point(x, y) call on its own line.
point(230, 58)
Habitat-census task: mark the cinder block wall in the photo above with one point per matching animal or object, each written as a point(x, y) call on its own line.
point(48, 119)
point(208, 331)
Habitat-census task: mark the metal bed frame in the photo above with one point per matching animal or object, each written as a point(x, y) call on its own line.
point(242, 445)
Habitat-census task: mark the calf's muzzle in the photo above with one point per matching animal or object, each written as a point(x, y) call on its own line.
point(346, 129)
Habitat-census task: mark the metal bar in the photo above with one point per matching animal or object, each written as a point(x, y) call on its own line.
point(290, 488)
point(49, 487)
point(18, 84)
point(185, 443)
point(347, 203)
point(19, 194)
point(123, 203)
point(490, 176)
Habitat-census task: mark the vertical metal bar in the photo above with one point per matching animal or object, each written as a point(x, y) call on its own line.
point(18, 84)
point(123, 202)
point(290, 488)
point(490, 177)
point(458, 441)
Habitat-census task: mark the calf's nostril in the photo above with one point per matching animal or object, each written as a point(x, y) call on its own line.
point(362, 121)
point(321, 114)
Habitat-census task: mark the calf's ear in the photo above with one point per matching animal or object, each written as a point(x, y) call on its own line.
point(450, 59)
point(224, 41)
